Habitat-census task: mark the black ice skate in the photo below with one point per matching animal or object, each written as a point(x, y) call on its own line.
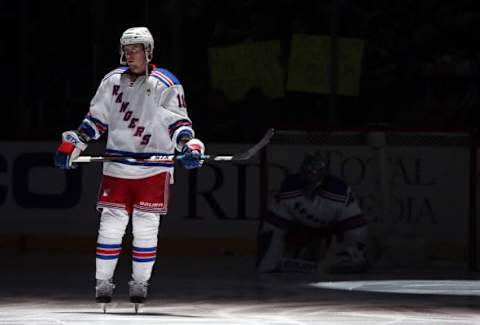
point(138, 293)
point(104, 293)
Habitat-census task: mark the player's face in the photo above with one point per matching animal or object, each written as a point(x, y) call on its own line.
point(135, 55)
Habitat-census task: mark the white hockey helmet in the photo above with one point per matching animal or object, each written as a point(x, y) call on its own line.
point(137, 35)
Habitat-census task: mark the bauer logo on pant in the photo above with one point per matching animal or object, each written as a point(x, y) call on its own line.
point(151, 205)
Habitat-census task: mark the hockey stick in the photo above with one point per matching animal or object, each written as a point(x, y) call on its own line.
point(236, 157)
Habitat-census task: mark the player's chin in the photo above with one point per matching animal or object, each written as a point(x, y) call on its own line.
point(135, 68)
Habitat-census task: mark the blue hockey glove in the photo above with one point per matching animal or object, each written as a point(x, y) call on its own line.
point(71, 147)
point(192, 151)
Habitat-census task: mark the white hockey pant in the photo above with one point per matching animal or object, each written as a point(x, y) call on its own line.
point(113, 223)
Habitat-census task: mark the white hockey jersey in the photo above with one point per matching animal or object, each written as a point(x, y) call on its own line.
point(144, 117)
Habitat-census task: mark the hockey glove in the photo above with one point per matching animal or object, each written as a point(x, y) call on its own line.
point(71, 147)
point(192, 152)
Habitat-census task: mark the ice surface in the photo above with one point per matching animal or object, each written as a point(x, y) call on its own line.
point(59, 290)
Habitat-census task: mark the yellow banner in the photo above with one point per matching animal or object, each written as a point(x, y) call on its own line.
point(309, 66)
point(236, 69)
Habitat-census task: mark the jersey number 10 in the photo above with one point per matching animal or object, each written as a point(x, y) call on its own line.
point(181, 100)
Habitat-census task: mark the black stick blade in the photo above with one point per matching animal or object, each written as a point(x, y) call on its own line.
point(256, 148)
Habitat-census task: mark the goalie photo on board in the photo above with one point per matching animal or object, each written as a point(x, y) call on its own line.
point(314, 215)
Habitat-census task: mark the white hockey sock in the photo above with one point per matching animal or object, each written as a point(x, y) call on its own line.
point(106, 260)
point(144, 252)
point(112, 227)
point(143, 259)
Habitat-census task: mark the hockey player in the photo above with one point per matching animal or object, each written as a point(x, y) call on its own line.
point(310, 209)
point(142, 109)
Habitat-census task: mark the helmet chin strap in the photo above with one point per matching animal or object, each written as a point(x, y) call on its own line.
point(148, 58)
point(146, 66)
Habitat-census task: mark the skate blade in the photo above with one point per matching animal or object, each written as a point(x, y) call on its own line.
point(104, 306)
point(137, 307)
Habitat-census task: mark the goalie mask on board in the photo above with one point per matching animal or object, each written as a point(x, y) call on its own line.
point(313, 168)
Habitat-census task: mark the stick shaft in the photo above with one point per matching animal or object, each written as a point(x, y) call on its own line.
point(169, 158)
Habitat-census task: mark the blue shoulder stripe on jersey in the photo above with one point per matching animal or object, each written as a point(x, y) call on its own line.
point(170, 75)
point(163, 81)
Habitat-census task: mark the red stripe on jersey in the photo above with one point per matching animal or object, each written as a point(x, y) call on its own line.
point(164, 77)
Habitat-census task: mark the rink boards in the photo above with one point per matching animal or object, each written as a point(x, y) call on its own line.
point(215, 210)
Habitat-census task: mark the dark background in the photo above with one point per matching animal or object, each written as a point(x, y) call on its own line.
point(420, 65)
